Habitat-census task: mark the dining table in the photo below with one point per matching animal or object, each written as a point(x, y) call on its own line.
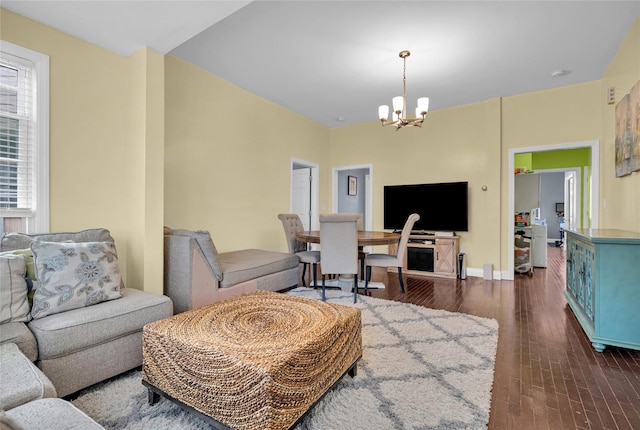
point(365, 238)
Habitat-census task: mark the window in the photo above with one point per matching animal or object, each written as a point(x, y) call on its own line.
point(24, 140)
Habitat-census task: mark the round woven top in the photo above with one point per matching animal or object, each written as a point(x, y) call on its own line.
point(261, 323)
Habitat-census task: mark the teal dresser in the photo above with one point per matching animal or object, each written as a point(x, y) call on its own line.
point(603, 285)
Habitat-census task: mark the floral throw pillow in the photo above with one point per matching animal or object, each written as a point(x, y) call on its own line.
point(74, 275)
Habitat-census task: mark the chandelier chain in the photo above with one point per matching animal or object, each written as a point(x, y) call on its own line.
point(404, 86)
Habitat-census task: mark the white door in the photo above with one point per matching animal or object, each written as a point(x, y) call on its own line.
point(570, 200)
point(301, 195)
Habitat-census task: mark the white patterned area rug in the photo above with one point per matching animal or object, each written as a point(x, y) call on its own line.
point(421, 369)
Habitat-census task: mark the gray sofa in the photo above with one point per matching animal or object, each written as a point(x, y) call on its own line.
point(47, 414)
point(28, 400)
point(197, 275)
point(80, 347)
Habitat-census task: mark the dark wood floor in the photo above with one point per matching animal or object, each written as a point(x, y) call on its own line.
point(547, 374)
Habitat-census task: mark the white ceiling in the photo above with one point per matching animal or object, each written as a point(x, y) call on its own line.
point(339, 59)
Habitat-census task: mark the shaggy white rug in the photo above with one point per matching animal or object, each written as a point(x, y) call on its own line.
point(421, 369)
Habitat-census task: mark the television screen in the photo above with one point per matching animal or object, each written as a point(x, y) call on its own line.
point(442, 206)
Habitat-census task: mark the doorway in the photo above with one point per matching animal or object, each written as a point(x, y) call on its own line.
point(568, 192)
point(352, 191)
point(591, 200)
point(304, 192)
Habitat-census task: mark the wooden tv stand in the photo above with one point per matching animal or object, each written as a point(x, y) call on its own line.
point(444, 249)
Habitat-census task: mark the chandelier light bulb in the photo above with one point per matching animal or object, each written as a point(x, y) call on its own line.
point(383, 112)
point(423, 105)
point(397, 104)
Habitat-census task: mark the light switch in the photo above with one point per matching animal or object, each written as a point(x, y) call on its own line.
point(611, 95)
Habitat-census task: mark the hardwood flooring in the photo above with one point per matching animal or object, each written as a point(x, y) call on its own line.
point(547, 375)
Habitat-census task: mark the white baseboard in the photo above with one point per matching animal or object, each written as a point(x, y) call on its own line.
point(474, 272)
point(506, 276)
point(479, 273)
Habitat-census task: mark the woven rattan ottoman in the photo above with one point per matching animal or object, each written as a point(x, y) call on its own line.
point(257, 361)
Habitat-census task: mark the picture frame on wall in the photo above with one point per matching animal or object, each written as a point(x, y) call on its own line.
point(627, 124)
point(352, 188)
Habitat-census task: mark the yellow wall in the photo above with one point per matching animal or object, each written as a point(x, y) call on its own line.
point(146, 181)
point(620, 197)
point(95, 140)
point(567, 114)
point(141, 142)
point(561, 116)
point(228, 159)
point(458, 144)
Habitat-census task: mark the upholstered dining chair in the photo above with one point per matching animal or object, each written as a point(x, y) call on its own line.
point(339, 247)
point(387, 260)
point(292, 224)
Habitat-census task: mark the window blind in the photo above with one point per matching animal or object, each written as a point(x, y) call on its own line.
point(16, 136)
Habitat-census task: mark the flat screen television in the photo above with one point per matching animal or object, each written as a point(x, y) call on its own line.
point(441, 206)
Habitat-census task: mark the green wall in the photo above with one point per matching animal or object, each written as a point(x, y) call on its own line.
point(560, 159)
point(579, 157)
point(523, 160)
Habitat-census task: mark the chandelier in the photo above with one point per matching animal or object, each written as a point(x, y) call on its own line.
point(399, 114)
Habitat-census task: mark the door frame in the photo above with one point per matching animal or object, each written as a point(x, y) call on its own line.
point(315, 189)
point(594, 200)
point(368, 215)
point(570, 199)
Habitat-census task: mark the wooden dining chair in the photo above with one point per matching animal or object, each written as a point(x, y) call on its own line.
point(293, 224)
point(387, 260)
point(339, 248)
